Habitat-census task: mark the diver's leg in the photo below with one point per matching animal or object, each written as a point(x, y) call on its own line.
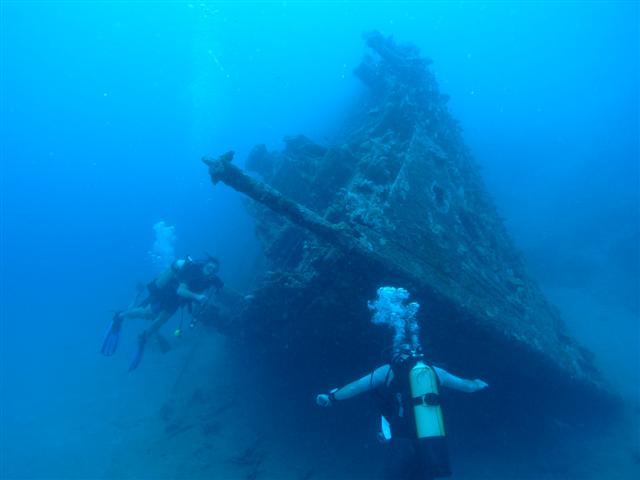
point(145, 312)
point(112, 335)
point(161, 318)
point(400, 460)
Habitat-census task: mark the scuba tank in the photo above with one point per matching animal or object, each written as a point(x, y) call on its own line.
point(164, 279)
point(417, 415)
point(427, 412)
point(170, 275)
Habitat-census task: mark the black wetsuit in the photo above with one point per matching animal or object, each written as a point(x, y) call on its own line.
point(166, 298)
point(407, 460)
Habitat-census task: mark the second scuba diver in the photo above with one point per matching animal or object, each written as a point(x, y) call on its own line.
point(185, 282)
point(411, 419)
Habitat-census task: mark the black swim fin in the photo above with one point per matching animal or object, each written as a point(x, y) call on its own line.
point(112, 336)
point(137, 358)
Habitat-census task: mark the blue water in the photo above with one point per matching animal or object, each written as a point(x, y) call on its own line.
point(107, 107)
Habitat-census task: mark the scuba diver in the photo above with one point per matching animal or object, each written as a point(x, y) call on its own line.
point(184, 283)
point(411, 414)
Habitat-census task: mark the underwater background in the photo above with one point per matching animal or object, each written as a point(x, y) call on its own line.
point(106, 109)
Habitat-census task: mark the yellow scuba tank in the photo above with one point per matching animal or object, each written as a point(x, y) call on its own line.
point(429, 422)
point(426, 404)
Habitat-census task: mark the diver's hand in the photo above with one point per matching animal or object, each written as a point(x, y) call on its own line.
point(480, 384)
point(201, 299)
point(323, 400)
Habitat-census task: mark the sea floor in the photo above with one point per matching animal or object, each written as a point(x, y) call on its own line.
point(189, 414)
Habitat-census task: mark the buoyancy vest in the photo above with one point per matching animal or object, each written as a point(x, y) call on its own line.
point(191, 273)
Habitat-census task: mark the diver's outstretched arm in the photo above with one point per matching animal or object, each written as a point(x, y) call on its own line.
point(456, 383)
point(375, 379)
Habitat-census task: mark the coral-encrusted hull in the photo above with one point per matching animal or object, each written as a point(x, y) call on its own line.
point(399, 201)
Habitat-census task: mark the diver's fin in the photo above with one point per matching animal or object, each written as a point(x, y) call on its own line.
point(137, 358)
point(111, 337)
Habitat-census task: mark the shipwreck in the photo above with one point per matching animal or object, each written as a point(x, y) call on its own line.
point(398, 200)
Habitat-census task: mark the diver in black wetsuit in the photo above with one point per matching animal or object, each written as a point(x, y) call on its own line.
point(185, 282)
point(411, 415)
